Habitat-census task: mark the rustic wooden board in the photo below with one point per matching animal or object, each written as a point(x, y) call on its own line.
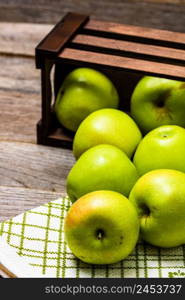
point(15, 200)
point(20, 39)
point(19, 81)
point(164, 14)
point(19, 99)
point(19, 113)
point(34, 166)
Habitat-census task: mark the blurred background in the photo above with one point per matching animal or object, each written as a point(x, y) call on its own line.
point(163, 14)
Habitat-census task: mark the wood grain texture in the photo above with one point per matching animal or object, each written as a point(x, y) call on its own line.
point(88, 58)
point(34, 166)
point(14, 201)
point(136, 31)
point(131, 47)
point(20, 39)
point(19, 99)
point(162, 14)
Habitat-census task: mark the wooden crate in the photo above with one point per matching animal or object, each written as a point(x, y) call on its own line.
point(124, 53)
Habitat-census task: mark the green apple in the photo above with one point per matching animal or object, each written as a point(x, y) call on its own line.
point(102, 167)
point(161, 148)
point(83, 91)
point(159, 197)
point(107, 126)
point(102, 227)
point(158, 101)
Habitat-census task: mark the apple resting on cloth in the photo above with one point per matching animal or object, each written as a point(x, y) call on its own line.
point(102, 227)
point(158, 101)
point(103, 167)
point(107, 126)
point(159, 197)
point(161, 148)
point(83, 91)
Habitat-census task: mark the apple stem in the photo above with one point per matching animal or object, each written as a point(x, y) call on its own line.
point(100, 234)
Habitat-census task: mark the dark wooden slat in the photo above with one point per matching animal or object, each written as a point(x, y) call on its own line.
point(123, 63)
point(46, 95)
point(136, 31)
point(131, 47)
point(58, 137)
point(53, 43)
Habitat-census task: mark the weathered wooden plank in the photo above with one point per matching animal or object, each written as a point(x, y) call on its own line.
point(34, 166)
point(21, 38)
point(19, 74)
point(162, 14)
point(19, 99)
point(15, 200)
point(19, 114)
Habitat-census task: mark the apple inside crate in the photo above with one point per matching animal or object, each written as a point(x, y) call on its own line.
point(123, 53)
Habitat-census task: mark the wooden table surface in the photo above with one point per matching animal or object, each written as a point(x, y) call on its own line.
point(31, 174)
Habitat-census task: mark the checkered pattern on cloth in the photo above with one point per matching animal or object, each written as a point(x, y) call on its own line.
point(38, 236)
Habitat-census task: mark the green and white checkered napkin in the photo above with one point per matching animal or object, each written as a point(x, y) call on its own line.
point(32, 245)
